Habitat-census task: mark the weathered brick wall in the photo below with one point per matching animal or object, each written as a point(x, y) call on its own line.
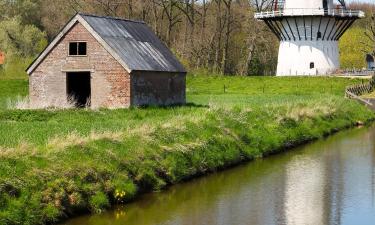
point(158, 88)
point(110, 83)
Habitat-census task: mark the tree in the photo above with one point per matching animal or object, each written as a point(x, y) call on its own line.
point(354, 45)
point(255, 62)
point(261, 5)
point(27, 11)
point(228, 29)
point(215, 35)
point(21, 43)
point(21, 40)
point(370, 34)
point(170, 10)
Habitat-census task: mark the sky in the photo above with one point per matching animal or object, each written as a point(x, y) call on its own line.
point(368, 1)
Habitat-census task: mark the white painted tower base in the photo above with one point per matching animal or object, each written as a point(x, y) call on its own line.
point(309, 31)
point(302, 58)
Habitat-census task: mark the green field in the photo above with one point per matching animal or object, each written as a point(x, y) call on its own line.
point(56, 164)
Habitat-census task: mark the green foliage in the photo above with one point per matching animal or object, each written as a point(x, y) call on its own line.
point(57, 163)
point(98, 202)
point(370, 33)
point(21, 43)
point(18, 40)
point(256, 67)
point(27, 10)
point(354, 45)
point(125, 190)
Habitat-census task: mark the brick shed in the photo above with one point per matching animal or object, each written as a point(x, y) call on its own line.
point(106, 62)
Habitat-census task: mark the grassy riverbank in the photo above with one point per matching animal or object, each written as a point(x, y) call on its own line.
point(59, 163)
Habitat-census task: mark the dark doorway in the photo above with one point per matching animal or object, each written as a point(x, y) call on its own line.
point(79, 88)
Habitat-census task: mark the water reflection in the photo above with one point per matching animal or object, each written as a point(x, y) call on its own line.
point(328, 182)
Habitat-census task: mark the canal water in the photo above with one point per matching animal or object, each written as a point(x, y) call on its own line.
point(331, 181)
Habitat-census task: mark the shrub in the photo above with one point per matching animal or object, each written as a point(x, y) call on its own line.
point(98, 202)
point(125, 190)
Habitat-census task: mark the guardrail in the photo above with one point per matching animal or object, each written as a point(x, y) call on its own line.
point(353, 96)
point(358, 72)
point(355, 91)
point(310, 12)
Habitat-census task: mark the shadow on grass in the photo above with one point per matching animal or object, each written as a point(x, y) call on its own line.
point(173, 106)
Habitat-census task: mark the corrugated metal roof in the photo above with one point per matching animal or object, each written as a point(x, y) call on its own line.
point(135, 43)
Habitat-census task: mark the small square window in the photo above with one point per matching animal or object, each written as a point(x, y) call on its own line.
point(73, 48)
point(82, 48)
point(77, 48)
point(319, 35)
point(312, 65)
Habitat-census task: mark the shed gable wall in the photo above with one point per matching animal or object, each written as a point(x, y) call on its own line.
point(110, 82)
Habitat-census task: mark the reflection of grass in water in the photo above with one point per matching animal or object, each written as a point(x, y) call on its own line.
point(56, 162)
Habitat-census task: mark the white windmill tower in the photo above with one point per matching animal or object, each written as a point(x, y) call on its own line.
point(309, 31)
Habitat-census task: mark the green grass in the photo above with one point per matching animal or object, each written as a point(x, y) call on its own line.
point(57, 163)
point(370, 95)
point(209, 85)
point(203, 91)
point(11, 89)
